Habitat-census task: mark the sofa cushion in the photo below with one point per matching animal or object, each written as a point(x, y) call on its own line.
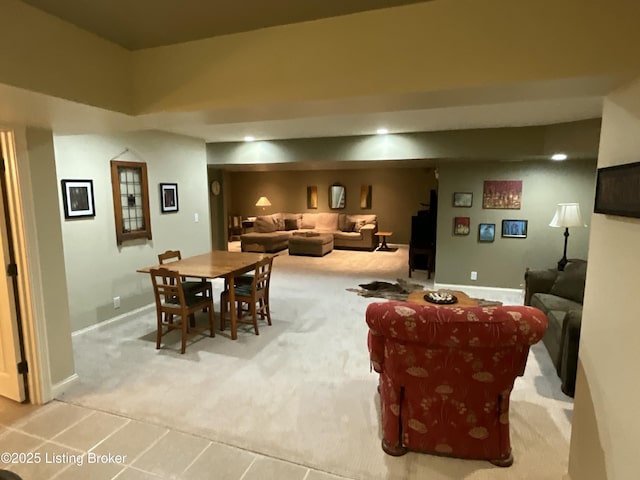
point(327, 222)
point(348, 227)
point(265, 224)
point(570, 282)
point(547, 303)
point(308, 220)
point(293, 216)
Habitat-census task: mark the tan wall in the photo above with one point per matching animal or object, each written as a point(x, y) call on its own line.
point(604, 443)
point(97, 268)
point(393, 52)
point(397, 193)
point(502, 263)
point(44, 54)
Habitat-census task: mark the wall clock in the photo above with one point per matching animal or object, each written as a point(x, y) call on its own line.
point(215, 187)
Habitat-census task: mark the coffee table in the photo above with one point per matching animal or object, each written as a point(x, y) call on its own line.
point(464, 300)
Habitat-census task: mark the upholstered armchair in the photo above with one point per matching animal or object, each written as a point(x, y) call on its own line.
point(446, 375)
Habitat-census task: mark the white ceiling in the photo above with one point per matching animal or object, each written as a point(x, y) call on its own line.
point(121, 22)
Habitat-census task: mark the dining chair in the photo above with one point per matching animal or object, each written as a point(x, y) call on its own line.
point(235, 227)
point(174, 306)
point(250, 298)
point(189, 286)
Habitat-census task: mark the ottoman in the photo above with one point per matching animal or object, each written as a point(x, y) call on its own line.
point(315, 245)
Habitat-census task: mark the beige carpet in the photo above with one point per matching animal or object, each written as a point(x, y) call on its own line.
point(302, 390)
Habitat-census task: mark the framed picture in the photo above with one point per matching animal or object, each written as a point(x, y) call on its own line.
point(486, 232)
point(506, 194)
point(618, 190)
point(461, 225)
point(77, 196)
point(462, 199)
point(312, 197)
point(514, 228)
point(169, 197)
point(365, 197)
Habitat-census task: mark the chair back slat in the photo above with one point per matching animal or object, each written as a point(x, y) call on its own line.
point(171, 255)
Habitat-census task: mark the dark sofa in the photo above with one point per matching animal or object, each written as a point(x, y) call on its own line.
point(560, 296)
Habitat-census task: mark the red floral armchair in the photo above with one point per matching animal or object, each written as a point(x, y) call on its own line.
point(446, 374)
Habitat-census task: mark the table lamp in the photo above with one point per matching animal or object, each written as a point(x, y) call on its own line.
point(263, 202)
point(567, 215)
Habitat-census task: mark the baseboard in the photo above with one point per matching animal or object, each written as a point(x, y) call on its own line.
point(60, 387)
point(513, 296)
point(119, 318)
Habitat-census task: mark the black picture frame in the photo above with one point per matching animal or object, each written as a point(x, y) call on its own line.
point(169, 197)
point(486, 232)
point(77, 197)
point(514, 228)
point(462, 199)
point(618, 190)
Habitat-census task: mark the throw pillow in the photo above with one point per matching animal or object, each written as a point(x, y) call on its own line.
point(264, 224)
point(570, 282)
point(290, 224)
point(359, 224)
point(349, 227)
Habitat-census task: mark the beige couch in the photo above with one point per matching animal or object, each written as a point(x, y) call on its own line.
point(271, 232)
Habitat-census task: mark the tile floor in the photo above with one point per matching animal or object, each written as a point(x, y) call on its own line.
point(60, 441)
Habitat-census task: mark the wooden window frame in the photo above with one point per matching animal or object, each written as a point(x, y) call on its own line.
point(121, 234)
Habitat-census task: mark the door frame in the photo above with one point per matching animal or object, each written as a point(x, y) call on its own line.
point(21, 215)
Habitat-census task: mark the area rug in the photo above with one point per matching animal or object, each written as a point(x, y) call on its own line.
point(401, 290)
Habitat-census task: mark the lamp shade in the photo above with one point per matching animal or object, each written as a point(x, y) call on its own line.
point(567, 215)
point(263, 202)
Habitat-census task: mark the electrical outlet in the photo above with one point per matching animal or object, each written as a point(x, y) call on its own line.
point(474, 275)
point(116, 302)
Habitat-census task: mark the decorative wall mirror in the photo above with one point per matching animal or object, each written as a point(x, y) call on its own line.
point(130, 200)
point(337, 196)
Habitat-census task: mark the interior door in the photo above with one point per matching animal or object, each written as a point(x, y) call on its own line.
point(11, 381)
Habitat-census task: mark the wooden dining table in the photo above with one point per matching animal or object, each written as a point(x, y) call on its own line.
point(216, 264)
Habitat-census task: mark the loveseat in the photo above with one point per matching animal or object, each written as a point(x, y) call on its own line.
point(271, 232)
point(446, 375)
point(560, 296)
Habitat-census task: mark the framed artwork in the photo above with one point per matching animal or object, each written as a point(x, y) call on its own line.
point(461, 225)
point(462, 199)
point(618, 190)
point(169, 197)
point(505, 194)
point(312, 197)
point(365, 197)
point(77, 196)
point(514, 228)
point(486, 232)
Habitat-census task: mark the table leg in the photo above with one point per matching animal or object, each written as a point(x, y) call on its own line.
point(232, 308)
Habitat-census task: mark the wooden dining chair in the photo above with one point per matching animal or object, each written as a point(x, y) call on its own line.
point(189, 286)
point(250, 298)
point(174, 306)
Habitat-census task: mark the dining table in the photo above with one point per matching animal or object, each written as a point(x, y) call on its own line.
point(216, 264)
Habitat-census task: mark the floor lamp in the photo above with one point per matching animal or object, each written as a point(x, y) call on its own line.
point(567, 215)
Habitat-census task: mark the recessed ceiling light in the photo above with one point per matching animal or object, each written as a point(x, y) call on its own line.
point(249, 138)
point(559, 156)
point(382, 131)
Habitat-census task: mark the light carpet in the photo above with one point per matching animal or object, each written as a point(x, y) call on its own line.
point(302, 390)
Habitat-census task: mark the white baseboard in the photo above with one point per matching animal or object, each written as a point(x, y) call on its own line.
point(60, 387)
point(124, 316)
point(509, 296)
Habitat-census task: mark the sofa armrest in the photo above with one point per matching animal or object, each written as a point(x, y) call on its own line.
point(569, 362)
point(375, 342)
point(538, 281)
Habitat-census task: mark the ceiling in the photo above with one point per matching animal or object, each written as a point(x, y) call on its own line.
point(137, 24)
point(129, 24)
